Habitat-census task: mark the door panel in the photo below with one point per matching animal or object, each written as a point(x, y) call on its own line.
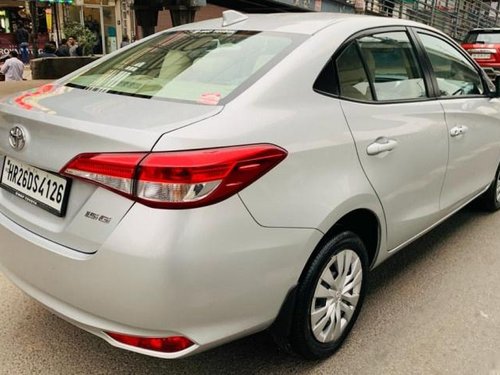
point(408, 179)
point(472, 118)
point(403, 147)
point(474, 151)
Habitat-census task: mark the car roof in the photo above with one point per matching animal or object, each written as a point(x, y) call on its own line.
point(299, 23)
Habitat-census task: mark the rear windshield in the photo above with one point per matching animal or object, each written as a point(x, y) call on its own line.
point(483, 37)
point(204, 66)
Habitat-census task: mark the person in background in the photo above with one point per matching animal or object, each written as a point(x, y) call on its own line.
point(63, 49)
point(73, 46)
point(3, 59)
point(13, 68)
point(125, 41)
point(48, 50)
point(22, 39)
point(53, 44)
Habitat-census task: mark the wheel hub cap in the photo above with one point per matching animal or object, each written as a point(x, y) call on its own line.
point(498, 187)
point(336, 296)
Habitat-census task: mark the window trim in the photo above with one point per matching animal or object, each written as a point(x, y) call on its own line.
point(426, 74)
point(422, 57)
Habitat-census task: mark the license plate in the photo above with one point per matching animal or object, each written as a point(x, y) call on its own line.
point(36, 186)
point(480, 55)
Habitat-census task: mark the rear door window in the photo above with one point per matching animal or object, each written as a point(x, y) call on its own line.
point(381, 67)
point(392, 65)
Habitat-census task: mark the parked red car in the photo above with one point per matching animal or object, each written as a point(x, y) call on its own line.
point(484, 47)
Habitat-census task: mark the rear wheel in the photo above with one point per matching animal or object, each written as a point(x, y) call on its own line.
point(330, 296)
point(490, 200)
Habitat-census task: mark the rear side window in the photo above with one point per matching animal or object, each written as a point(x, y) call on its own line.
point(203, 66)
point(455, 75)
point(392, 66)
point(483, 37)
point(352, 77)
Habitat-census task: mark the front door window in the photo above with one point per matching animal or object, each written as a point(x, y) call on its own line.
point(455, 75)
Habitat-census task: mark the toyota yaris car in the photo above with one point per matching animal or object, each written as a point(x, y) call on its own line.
point(239, 174)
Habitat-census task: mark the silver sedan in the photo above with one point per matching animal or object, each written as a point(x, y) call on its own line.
point(239, 174)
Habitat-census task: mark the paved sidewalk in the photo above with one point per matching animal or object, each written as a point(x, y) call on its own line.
point(27, 73)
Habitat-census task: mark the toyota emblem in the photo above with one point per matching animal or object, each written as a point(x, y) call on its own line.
point(17, 139)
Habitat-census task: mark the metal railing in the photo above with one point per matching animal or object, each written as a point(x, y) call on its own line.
point(454, 17)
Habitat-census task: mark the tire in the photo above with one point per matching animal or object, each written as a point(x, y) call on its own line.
point(325, 312)
point(490, 200)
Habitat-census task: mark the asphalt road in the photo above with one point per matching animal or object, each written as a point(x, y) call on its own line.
point(433, 308)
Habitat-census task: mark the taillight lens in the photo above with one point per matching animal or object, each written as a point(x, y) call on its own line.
point(114, 171)
point(159, 344)
point(178, 179)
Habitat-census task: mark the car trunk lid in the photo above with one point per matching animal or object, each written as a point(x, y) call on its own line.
point(59, 123)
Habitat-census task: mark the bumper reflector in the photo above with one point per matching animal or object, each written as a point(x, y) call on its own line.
point(158, 344)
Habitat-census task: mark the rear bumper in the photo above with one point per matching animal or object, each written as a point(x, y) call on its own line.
point(210, 274)
point(92, 323)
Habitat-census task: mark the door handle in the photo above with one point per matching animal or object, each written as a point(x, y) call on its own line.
point(458, 130)
point(381, 144)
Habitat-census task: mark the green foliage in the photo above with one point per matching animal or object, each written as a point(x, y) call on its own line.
point(86, 38)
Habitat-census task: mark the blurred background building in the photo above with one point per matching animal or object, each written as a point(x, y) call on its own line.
point(112, 20)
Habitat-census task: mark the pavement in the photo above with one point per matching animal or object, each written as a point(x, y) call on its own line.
point(27, 73)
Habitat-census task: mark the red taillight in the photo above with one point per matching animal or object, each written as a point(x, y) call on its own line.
point(159, 344)
point(179, 179)
point(114, 171)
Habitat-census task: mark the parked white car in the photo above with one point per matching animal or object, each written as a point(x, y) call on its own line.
point(239, 174)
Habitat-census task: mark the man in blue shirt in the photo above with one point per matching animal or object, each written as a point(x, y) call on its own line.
point(22, 38)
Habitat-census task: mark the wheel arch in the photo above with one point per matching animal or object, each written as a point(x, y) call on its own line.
point(363, 222)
